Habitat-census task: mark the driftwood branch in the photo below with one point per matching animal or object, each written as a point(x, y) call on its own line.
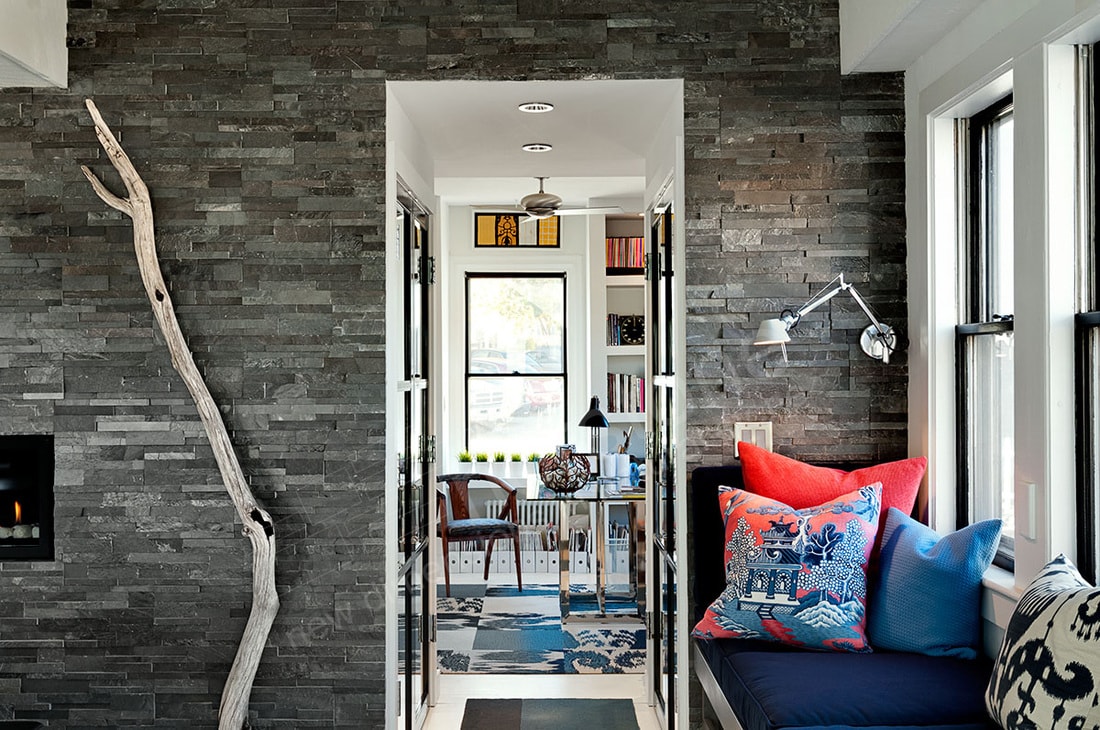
point(258, 525)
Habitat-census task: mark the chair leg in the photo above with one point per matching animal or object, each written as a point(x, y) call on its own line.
point(447, 568)
point(519, 578)
point(488, 554)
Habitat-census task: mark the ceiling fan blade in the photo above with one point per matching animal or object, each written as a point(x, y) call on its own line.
point(589, 211)
point(498, 208)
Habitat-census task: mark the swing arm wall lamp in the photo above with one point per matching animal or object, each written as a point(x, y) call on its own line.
point(877, 340)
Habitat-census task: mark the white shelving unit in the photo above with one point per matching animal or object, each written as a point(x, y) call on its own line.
point(616, 294)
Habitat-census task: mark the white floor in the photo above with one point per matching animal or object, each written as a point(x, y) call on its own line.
point(455, 689)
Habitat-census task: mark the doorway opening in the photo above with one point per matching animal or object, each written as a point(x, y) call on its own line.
point(459, 147)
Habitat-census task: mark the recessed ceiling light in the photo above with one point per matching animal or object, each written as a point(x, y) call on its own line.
point(536, 107)
point(537, 147)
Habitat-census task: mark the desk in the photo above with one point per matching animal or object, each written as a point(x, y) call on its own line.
point(636, 543)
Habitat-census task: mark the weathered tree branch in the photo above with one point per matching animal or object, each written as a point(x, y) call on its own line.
point(258, 525)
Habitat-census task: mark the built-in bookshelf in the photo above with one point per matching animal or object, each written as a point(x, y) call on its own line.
point(619, 351)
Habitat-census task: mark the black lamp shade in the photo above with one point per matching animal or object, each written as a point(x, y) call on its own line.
point(595, 417)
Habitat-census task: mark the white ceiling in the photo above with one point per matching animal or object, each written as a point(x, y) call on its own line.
point(890, 35)
point(601, 131)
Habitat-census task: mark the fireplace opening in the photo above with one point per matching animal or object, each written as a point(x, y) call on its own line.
point(26, 497)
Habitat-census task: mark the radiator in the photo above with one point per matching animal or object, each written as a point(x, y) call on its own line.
point(534, 513)
point(538, 550)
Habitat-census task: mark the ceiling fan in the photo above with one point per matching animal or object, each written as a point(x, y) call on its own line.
point(543, 205)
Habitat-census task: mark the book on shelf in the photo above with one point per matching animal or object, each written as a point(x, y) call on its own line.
point(625, 252)
point(625, 393)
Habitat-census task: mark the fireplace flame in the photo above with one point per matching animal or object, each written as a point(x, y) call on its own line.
point(18, 513)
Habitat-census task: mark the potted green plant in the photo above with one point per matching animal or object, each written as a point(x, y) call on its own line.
point(465, 458)
point(482, 460)
point(533, 464)
point(515, 465)
point(499, 464)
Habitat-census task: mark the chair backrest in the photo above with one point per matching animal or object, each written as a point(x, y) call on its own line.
point(453, 492)
point(454, 497)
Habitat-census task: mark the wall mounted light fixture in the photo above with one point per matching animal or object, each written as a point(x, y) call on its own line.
point(877, 339)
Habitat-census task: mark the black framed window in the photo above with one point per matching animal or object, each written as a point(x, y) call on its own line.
point(984, 338)
point(1087, 325)
point(516, 376)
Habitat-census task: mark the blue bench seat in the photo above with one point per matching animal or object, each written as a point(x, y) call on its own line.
point(761, 685)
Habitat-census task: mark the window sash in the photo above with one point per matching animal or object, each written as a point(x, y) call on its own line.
point(1087, 323)
point(985, 364)
point(516, 379)
point(989, 255)
point(1087, 358)
point(984, 340)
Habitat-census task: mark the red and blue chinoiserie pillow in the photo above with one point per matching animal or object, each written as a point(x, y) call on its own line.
point(795, 576)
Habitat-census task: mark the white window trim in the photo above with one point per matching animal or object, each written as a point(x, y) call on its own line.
point(1029, 53)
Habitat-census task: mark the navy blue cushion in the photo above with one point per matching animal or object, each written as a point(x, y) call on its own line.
point(772, 690)
point(481, 527)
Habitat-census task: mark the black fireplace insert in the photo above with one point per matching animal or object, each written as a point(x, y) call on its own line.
point(26, 497)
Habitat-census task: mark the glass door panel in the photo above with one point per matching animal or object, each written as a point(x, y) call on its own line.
point(414, 471)
point(661, 490)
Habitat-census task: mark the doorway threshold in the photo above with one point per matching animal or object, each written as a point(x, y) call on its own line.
point(455, 689)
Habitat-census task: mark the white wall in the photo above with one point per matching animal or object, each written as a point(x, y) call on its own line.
point(1022, 46)
point(32, 43)
point(462, 257)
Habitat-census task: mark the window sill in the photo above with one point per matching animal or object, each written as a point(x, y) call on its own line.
point(999, 597)
point(1002, 582)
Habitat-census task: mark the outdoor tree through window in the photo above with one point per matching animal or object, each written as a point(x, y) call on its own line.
point(516, 380)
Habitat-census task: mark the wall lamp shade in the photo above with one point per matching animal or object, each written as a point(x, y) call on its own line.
point(877, 340)
point(772, 332)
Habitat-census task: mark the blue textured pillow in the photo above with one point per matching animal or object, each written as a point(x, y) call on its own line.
point(928, 598)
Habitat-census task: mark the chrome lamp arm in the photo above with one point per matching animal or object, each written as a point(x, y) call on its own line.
point(877, 340)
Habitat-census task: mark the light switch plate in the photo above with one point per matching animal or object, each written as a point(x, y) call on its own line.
point(758, 433)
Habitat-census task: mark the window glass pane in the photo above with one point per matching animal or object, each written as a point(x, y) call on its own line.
point(516, 325)
point(999, 220)
point(513, 229)
point(515, 361)
point(990, 430)
point(516, 415)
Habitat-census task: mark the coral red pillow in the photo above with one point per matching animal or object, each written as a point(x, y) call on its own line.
point(803, 485)
point(797, 577)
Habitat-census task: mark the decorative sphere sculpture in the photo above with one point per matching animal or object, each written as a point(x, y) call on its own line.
point(566, 473)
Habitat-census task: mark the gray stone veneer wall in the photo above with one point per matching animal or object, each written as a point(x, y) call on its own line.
point(260, 131)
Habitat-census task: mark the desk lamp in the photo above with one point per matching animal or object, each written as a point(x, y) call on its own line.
point(595, 420)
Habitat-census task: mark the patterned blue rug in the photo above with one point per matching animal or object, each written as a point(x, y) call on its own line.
point(499, 630)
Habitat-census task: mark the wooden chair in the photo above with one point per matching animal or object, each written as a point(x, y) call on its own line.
point(455, 523)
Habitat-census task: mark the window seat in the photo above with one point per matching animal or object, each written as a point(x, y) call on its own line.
point(761, 685)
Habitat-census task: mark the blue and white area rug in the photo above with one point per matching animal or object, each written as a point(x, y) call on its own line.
point(499, 630)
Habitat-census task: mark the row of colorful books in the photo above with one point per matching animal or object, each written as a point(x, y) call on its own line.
point(626, 252)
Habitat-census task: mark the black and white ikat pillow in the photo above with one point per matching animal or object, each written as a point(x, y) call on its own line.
point(1047, 674)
